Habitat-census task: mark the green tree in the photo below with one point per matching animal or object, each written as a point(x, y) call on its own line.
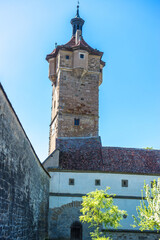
point(98, 210)
point(148, 213)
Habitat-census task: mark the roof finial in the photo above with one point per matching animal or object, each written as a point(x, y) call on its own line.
point(77, 15)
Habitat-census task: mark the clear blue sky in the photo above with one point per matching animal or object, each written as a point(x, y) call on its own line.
point(128, 33)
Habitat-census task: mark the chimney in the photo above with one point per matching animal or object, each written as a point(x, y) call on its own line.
point(78, 36)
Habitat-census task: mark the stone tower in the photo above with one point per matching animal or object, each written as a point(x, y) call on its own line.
point(75, 70)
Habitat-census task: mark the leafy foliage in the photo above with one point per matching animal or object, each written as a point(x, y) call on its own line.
point(98, 209)
point(149, 210)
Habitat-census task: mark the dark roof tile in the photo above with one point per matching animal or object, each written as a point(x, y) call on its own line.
point(88, 154)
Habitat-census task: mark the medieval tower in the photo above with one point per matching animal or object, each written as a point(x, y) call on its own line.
point(75, 70)
point(77, 161)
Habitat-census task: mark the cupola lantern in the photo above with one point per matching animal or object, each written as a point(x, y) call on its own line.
point(77, 22)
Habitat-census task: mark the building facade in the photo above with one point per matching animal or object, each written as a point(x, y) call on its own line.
point(77, 161)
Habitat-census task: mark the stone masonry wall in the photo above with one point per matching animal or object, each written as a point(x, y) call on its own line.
point(78, 98)
point(61, 219)
point(133, 235)
point(24, 184)
point(75, 96)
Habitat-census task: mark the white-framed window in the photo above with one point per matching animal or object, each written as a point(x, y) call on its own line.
point(81, 55)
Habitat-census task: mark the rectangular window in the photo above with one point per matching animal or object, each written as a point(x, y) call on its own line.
point(71, 181)
point(76, 121)
point(97, 182)
point(67, 57)
point(124, 183)
point(81, 55)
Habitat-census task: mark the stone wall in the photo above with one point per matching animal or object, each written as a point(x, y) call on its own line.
point(61, 219)
point(75, 96)
point(131, 235)
point(24, 184)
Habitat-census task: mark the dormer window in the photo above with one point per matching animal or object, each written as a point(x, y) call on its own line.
point(81, 55)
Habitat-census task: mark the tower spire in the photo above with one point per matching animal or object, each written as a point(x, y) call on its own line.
point(77, 15)
point(77, 22)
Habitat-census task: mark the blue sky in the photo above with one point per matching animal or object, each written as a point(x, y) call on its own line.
point(129, 35)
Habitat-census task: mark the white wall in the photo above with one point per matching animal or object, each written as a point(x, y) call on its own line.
point(85, 182)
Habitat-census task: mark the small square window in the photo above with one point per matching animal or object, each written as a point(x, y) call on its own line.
point(152, 183)
point(97, 182)
point(76, 121)
point(124, 183)
point(71, 181)
point(82, 55)
point(67, 57)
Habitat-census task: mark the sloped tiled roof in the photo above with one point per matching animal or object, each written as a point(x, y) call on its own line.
point(80, 153)
point(71, 45)
point(131, 160)
point(87, 154)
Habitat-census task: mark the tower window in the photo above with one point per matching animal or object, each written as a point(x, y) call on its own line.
point(67, 57)
point(97, 182)
point(77, 26)
point(81, 55)
point(76, 121)
point(124, 183)
point(71, 181)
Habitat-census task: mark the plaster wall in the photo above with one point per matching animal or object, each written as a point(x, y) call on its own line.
point(80, 62)
point(85, 182)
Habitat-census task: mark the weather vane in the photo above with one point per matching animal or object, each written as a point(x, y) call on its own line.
point(77, 9)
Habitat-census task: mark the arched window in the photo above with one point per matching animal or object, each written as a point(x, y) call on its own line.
point(76, 231)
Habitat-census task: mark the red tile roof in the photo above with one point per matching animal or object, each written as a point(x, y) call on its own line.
point(87, 154)
point(131, 160)
point(71, 45)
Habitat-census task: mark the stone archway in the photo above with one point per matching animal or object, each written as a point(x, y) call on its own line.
point(76, 231)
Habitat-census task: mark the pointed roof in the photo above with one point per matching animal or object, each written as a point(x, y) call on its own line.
point(71, 46)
